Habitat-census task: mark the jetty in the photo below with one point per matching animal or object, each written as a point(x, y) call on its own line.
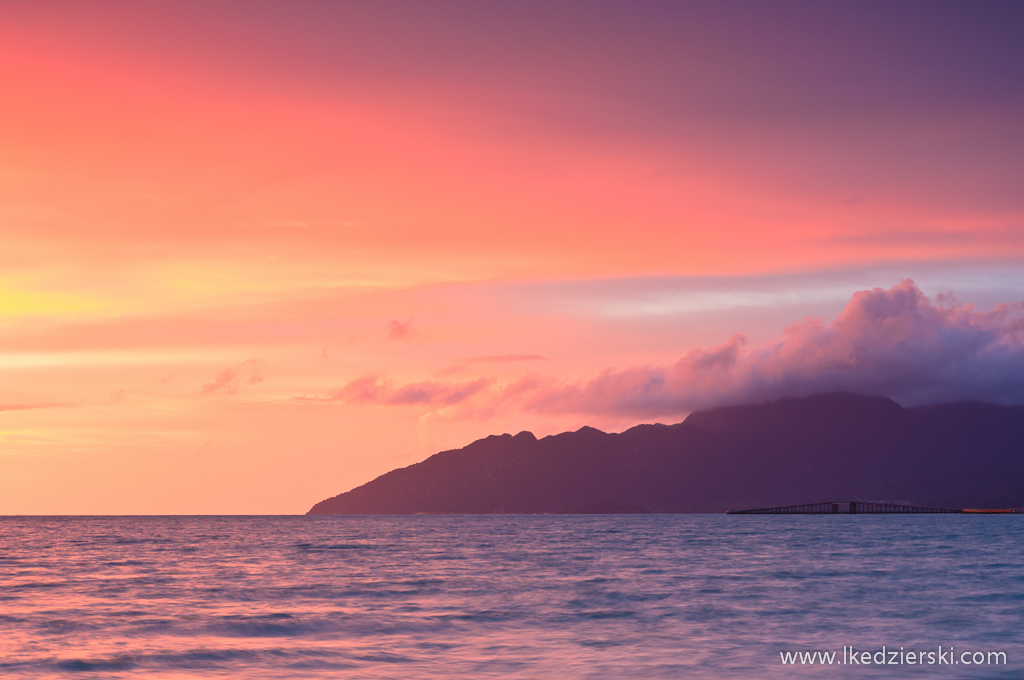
point(868, 508)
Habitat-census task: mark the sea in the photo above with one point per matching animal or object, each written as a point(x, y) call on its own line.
point(549, 597)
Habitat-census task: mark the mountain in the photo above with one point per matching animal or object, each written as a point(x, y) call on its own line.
point(820, 448)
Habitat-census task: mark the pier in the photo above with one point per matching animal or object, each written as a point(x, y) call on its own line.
point(857, 508)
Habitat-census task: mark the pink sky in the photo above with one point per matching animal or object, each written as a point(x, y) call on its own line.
point(255, 254)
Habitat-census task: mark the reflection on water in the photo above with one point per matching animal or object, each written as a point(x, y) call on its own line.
point(669, 596)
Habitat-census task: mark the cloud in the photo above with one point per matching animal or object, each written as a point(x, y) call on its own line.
point(26, 407)
point(401, 330)
point(374, 390)
point(891, 342)
point(506, 358)
point(228, 381)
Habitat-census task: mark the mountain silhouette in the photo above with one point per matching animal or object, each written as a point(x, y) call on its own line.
point(819, 448)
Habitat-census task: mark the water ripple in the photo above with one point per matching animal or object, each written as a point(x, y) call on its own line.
point(504, 596)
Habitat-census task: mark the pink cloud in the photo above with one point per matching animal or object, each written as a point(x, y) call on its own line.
point(506, 358)
point(373, 390)
point(891, 342)
point(27, 407)
point(228, 381)
point(401, 330)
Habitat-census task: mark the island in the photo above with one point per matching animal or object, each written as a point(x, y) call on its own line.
point(787, 452)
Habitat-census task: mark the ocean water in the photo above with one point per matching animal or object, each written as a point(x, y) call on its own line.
point(641, 596)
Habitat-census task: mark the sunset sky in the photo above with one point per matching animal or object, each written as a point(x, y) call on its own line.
point(257, 253)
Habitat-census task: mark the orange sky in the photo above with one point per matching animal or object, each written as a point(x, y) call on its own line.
point(215, 219)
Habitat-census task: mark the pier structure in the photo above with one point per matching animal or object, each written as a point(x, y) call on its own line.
point(852, 508)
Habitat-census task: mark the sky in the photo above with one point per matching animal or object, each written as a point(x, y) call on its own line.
point(254, 254)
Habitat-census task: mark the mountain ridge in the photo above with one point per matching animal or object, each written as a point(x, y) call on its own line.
point(796, 450)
